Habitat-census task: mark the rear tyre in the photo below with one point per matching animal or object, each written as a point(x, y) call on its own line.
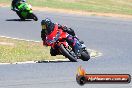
point(34, 17)
point(67, 53)
point(85, 55)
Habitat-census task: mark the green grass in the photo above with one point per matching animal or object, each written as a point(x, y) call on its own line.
point(105, 6)
point(18, 51)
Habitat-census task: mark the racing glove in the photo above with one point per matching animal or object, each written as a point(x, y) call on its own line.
point(64, 28)
point(71, 31)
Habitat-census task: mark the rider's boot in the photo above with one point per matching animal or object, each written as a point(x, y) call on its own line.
point(53, 52)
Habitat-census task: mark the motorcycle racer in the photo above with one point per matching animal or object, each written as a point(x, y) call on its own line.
point(23, 10)
point(15, 4)
point(48, 27)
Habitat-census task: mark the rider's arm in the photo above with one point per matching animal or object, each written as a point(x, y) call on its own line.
point(66, 29)
point(43, 37)
point(70, 31)
point(13, 5)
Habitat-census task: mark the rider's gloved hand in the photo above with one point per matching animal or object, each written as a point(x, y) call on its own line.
point(71, 31)
point(64, 28)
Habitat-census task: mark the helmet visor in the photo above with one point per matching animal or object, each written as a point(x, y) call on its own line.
point(43, 27)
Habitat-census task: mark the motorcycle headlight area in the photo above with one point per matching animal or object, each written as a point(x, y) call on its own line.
point(30, 6)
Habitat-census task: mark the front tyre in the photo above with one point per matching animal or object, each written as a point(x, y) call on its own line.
point(33, 16)
point(85, 55)
point(67, 53)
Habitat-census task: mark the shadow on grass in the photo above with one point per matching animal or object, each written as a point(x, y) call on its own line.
point(17, 20)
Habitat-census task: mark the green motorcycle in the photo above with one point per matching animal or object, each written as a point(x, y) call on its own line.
point(25, 12)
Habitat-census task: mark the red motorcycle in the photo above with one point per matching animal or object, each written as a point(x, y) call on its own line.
point(57, 40)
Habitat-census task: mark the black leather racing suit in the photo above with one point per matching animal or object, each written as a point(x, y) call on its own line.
point(14, 4)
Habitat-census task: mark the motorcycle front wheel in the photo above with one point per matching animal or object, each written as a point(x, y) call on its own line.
point(34, 17)
point(85, 55)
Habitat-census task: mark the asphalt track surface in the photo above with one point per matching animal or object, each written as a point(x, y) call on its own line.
point(110, 36)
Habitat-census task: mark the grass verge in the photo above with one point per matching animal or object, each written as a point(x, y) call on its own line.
point(104, 6)
point(12, 50)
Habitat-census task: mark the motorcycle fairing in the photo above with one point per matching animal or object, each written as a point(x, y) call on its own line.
point(56, 35)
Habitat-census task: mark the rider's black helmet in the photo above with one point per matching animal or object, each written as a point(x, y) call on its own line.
point(47, 25)
point(23, 0)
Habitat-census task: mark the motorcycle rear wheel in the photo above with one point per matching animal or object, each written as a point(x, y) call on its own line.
point(67, 54)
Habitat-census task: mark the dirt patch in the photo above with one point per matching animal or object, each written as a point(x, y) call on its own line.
point(82, 12)
point(7, 44)
point(76, 12)
point(4, 5)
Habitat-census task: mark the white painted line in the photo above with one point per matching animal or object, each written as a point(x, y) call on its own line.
point(4, 63)
point(33, 62)
point(19, 39)
point(56, 60)
point(27, 62)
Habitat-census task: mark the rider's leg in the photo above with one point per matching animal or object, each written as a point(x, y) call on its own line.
point(19, 14)
point(53, 52)
point(73, 43)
